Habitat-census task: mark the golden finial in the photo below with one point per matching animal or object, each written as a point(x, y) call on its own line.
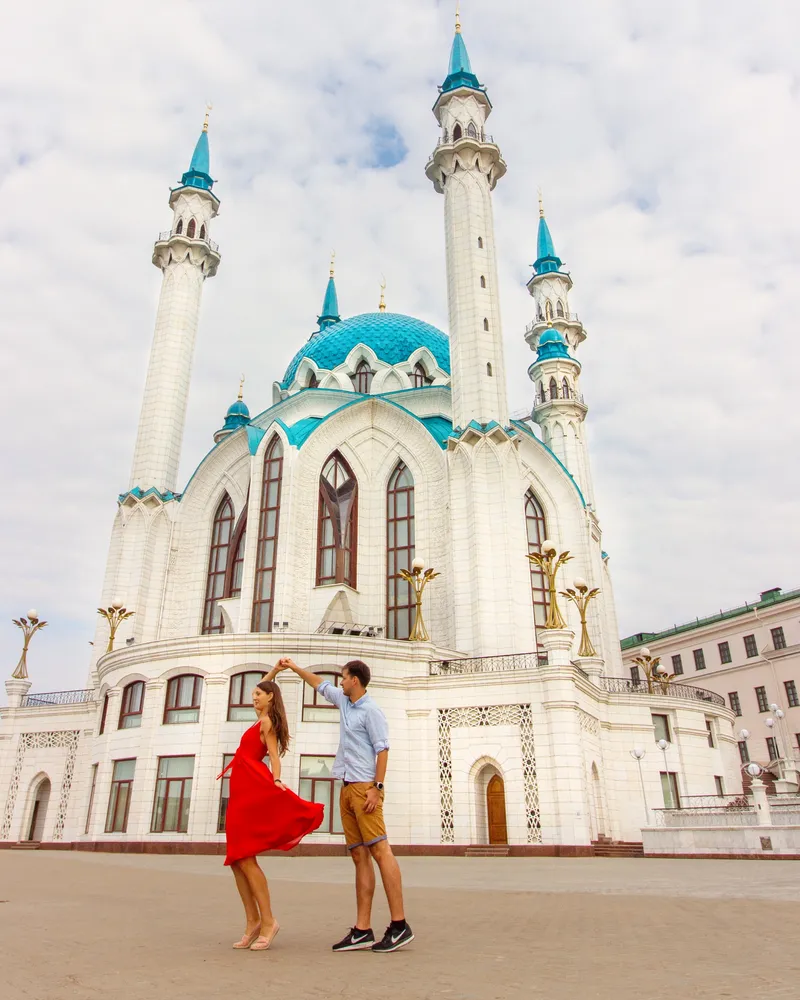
point(541, 205)
point(458, 17)
point(241, 387)
point(333, 260)
point(382, 303)
point(209, 106)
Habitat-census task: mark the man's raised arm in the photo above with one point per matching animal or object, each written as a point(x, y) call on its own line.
point(307, 675)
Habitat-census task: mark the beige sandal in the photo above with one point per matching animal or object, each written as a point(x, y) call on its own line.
point(247, 939)
point(262, 943)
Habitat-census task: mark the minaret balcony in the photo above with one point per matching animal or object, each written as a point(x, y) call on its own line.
point(169, 233)
point(569, 324)
point(558, 396)
point(476, 139)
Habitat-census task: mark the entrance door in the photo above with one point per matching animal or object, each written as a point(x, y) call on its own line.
point(496, 810)
point(39, 811)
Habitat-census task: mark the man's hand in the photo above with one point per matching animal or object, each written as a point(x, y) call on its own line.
point(373, 800)
point(286, 663)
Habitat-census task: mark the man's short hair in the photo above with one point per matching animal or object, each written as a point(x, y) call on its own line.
point(359, 670)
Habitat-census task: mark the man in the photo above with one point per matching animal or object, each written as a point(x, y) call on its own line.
point(361, 761)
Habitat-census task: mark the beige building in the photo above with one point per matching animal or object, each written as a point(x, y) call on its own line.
point(751, 656)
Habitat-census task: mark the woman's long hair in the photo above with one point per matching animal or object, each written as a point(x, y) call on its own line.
point(277, 714)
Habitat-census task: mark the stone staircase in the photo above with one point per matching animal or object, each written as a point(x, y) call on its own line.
point(606, 848)
point(487, 851)
point(26, 845)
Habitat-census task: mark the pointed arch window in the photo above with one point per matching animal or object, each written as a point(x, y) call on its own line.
point(541, 392)
point(489, 369)
point(536, 528)
point(312, 382)
point(559, 309)
point(221, 532)
point(179, 227)
point(268, 523)
point(233, 583)
point(337, 523)
point(553, 389)
point(399, 552)
point(548, 310)
point(419, 377)
point(191, 228)
point(362, 380)
point(486, 324)
point(480, 243)
point(203, 231)
point(565, 393)
point(457, 133)
point(472, 132)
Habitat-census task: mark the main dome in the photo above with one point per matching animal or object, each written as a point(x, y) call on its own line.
point(392, 336)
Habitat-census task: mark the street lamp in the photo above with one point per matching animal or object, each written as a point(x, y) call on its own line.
point(30, 626)
point(418, 578)
point(549, 563)
point(114, 615)
point(580, 597)
point(653, 670)
point(638, 754)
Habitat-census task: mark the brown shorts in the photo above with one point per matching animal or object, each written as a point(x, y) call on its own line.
point(361, 829)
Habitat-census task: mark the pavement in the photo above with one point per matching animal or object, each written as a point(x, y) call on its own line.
point(77, 926)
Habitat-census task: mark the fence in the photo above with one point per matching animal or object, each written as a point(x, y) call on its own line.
point(58, 698)
point(488, 664)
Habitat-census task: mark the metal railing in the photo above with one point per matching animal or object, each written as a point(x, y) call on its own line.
point(487, 664)
point(58, 698)
point(446, 140)
point(568, 317)
point(169, 233)
point(547, 396)
point(623, 685)
point(350, 628)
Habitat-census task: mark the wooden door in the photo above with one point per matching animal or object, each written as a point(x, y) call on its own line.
point(496, 810)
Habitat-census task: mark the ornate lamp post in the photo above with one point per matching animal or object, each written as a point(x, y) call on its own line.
point(653, 670)
point(580, 597)
point(638, 754)
point(549, 563)
point(29, 626)
point(418, 578)
point(114, 615)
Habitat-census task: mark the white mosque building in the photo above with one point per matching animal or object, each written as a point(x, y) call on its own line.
point(386, 440)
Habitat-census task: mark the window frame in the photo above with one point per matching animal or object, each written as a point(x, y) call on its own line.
point(750, 646)
point(362, 377)
point(241, 704)
point(712, 742)
point(778, 637)
point(636, 678)
point(744, 751)
point(792, 699)
point(269, 520)
point(735, 703)
point(224, 793)
point(319, 702)
point(667, 727)
point(197, 699)
point(724, 649)
point(154, 826)
point(114, 795)
point(675, 793)
point(699, 658)
point(103, 716)
point(773, 749)
point(536, 524)
point(90, 807)
point(677, 664)
point(761, 698)
point(219, 554)
point(125, 702)
point(400, 600)
point(332, 817)
point(345, 549)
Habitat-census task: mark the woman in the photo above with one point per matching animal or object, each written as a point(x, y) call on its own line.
point(263, 814)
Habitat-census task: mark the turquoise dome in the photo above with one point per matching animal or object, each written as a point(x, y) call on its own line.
point(392, 336)
point(551, 345)
point(238, 409)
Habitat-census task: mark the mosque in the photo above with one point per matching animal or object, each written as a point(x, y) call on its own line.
point(387, 441)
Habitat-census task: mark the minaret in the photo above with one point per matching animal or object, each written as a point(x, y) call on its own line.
point(465, 167)
point(330, 305)
point(186, 256)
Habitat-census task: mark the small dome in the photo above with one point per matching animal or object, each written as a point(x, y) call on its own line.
point(551, 345)
point(392, 336)
point(552, 336)
point(238, 409)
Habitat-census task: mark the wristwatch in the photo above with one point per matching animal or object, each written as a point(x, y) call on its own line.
point(378, 785)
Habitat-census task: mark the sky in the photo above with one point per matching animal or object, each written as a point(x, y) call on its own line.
point(665, 139)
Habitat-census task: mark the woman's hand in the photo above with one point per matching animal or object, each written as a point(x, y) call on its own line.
point(280, 784)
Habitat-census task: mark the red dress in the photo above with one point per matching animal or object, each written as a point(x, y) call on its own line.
point(261, 816)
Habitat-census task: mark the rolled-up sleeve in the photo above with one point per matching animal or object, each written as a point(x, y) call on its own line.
point(377, 729)
point(331, 693)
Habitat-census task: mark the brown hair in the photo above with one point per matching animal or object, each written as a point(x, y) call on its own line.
point(277, 714)
point(359, 670)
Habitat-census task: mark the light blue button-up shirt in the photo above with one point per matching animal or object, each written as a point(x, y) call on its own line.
point(363, 734)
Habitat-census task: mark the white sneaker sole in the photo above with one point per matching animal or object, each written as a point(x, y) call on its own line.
point(360, 946)
point(396, 947)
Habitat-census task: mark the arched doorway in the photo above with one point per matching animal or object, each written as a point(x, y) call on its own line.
point(35, 829)
point(496, 810)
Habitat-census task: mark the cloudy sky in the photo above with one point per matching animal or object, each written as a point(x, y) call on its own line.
point(666, 139)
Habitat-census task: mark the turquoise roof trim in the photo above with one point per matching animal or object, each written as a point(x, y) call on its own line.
point(524, 427)
point(460, 71)
point(392, 336)
point(198, 173)
point(254, 438)
point(141, 494)
point(330, 306)
point(546, 257)
point(300, 432)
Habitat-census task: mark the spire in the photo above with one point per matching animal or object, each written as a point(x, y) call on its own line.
point(546, 259)
point(198, 173)
point(330, 307)
point(460, 72)
point(382, 303)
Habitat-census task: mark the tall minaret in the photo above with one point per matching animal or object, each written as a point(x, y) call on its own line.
point(465, 167)
point(186, 256)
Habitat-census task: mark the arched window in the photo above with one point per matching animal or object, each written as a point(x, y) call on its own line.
point(480, 243)
point(489, 368)
point(183, 699)
point(362, 380)
point(218, 566)
point(233, 582)
point(240, 700)
point(399, 552)
point(312, 382)
point(539, 314)
point(537, 532)
point(483, 282)
point(553, 389)
point(268, 521)
point(472, 131)
point(179, 227)
point(203, 231)
point(457, 133)
point(559, 308)
point(190, 229)
point(419, 377)
point(565, 393)
point(541, 392)
point(131, 706)
point(486, 324)
point(337, 525)
point(548, 310)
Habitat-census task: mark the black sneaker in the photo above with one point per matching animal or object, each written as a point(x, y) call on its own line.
point(392, 940)
point(355, 940)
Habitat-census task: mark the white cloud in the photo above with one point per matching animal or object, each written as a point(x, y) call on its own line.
point(666, 142)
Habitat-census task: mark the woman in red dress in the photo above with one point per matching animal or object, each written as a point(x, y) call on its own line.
point(263, 814)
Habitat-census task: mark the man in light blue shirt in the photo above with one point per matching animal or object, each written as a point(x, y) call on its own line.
point(360, 763)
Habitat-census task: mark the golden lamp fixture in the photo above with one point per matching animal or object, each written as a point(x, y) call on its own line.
point(550, 563)
point(418, 578)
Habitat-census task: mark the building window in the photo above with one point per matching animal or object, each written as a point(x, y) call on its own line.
point(719, 786)
point(400, 601)
point(221, 532)
point(750, 647)
point(183, 699)
point(635, 676)
point(669, 787)
point(797, 737)
point(362, 380)
point(312, 382)
point(761, 697)
point(419, 377)
point(548, 311)
point(661, 727)
point(91, 799)
point(337, 526)
point(489, 368)
point(173, 795)
point(733, 699)
point(119, 801)
point(240, 695)
point(315, 707)
point(130, 712)
point(744, 753)
point(483, 282)
point(203, 231)
point(179, 227)
point(553, 389)
point(565, 391)
point(318, 785)
point(485, 324)
point(772, 748)
point(710, 731)
point(778, 638)
point(191, 229)
point(791, 693)
point(457, 133)
point(233, 585)
point(480, 243)
point(103, 715)
point(268, 523)
point(724, 652)
point(559, 309)
point(699, 659)
point(537, 532)
point(472, 132)
point(224, 793)
point(677, 664)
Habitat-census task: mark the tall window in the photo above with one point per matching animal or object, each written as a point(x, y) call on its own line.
point(224, 793)
point(399, 552)
point(419, 377)
point(677, 664)
point(710, 731)
point(240, 696)
point(750, 647)
point(318, 785)
point(548, 310)
point(91, 799)
point(480, 243)
point(362, 380)
point(483, 281)
point(559, 308)
point(312, 382)
point(179, 227)
point(173, 795)
point(778, 638)
point(553, 389)
point(733, 700)
point(472, 131)
point(565, 388)
point(486, 324)
point(761, 698)
point(337, 530)
point(537, 532)
point(744, 753)
point(661, 727)
point(791, 694)
point(119, 801)
point(772, 748)
point(130, 710)
point(315, 707)
point(724, 652)
point(669, 786)
point(233, 583)
point(457, 133)
point(183, 699)
point(635, 676)
point(218, 566)
point(268, 522)
point(203, 231)
point(699, 659)
point(719, 785)
point(103, 715)
point(191, 228)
